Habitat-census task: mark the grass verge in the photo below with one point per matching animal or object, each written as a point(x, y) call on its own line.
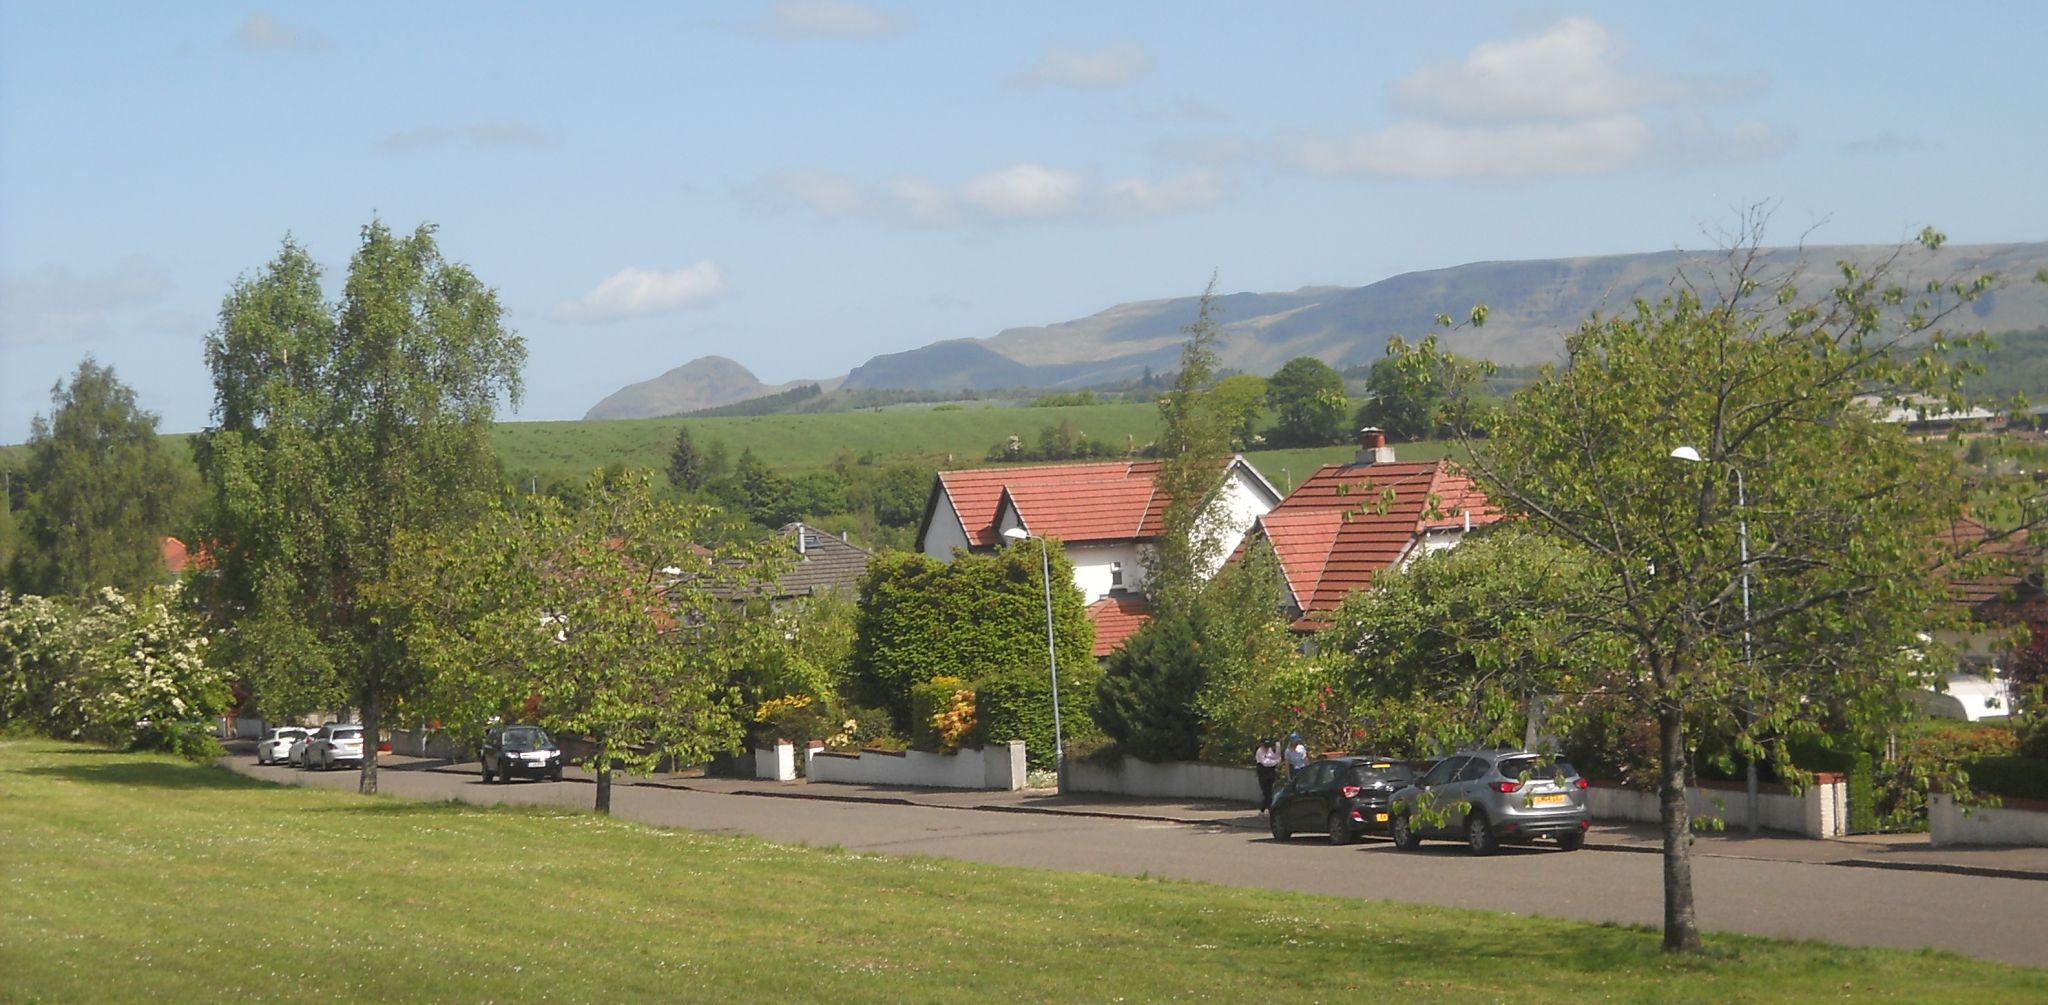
point(129, 878)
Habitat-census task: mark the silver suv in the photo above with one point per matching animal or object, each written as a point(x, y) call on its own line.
point(1492, 797)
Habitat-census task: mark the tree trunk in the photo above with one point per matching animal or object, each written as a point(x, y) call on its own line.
point(373, 717)
point(1681, 928)
point(604, 786)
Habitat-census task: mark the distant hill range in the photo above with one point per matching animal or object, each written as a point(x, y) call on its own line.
point(1531, 305)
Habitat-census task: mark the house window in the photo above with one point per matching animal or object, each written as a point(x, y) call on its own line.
point(1116, 575)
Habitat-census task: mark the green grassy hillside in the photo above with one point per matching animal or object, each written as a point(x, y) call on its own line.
point(793, 443)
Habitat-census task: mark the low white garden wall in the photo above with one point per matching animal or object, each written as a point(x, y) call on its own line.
point(1128, 776)
point(2016, 822)
point(997, 766)
point(777, 763)
point(1819, 812)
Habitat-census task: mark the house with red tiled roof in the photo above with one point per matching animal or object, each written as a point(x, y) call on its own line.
point(1348, 523)
point(1106, 515)
point(1997, 600)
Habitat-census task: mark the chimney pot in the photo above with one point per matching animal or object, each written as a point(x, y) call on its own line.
point(1372, 447)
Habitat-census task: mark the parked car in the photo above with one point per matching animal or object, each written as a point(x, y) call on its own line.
point(1339, 796)
point(1492, 797)
point(276, 745)
point(332, 745)
point(510, 751)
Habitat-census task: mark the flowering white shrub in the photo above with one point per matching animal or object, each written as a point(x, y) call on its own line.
point(108, 669)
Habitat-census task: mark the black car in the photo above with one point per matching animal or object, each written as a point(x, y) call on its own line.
point(1339, 796)
point(513, 751)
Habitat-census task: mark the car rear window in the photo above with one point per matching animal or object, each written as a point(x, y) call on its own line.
point(1381, 771)
point(348, 734)
point(1535, 767)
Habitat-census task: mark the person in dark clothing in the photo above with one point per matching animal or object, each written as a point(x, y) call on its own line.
point(1267, 758)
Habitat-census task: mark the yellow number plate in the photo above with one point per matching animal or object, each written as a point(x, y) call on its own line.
point(1553, 799)
point(1379, 818)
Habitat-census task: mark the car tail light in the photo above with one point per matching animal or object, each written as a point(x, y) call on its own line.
point(1506, 786)
point(1351, 791)
point(1580, 782)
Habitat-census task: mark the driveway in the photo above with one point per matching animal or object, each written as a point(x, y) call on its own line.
point(1986, 916)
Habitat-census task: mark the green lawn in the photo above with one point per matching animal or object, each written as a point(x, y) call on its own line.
point(132, 878)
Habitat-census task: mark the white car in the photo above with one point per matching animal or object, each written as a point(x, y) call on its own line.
point(276, 745)
point(331, 745)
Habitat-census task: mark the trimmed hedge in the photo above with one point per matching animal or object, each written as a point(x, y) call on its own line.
point(1017, 707)
point(2013, 777)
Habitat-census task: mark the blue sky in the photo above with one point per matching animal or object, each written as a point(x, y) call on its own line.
point(800, 185)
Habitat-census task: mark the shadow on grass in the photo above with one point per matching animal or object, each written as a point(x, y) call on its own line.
point(144, 773)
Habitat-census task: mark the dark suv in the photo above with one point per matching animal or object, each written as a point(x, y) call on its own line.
point(1339, 796)
point(1490, 797)
point(521, 750)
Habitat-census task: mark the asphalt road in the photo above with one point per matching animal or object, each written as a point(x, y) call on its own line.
point(1988, 918)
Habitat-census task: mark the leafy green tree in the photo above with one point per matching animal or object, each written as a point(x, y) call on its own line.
point(897, 494)
point(104, 491)
point(685, 467)
point(1146, 700)
point(1423, 392)
point(339, 428)
point(1803, 501)
point(1309, 398)
point(1194, 442)
point(1246, 644)
point(1241, 399)
point(606, 622)
point(1468, 646)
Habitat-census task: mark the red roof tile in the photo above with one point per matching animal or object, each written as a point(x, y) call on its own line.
point(1348, 522)
point(1073, 502)
point(1117, 617)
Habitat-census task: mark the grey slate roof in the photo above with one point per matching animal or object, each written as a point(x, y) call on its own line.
point(824, 563)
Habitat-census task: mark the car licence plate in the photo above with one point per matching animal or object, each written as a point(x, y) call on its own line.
point(1553, 799)
point(1379, 818)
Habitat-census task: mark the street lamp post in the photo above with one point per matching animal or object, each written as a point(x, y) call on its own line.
point(1687, 453)
point(1052, 659)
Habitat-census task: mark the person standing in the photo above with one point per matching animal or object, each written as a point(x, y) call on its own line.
point(1267, 758)
point(1297, 754)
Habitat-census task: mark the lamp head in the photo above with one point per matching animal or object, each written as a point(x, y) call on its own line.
point(1017, 534)
point(1687, 454)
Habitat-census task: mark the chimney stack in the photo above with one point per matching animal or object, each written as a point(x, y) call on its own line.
point(1372, 447)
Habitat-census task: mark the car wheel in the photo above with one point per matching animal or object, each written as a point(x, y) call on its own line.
point(555, 775)
point(1573, 841)
point(1403, 833)
point(1479, 834)
point(1340, 832)
point(1280, 830)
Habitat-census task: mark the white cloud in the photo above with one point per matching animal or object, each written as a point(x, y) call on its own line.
point(263, 32)
point(1556, 102)
point(829, 19)
point(1026, 192)
point(1565, 71)
point(475, 136)
point(1146, 197)
point(55, 305)
point(1111, 66)
point(638, 293)
point(1430, 150)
